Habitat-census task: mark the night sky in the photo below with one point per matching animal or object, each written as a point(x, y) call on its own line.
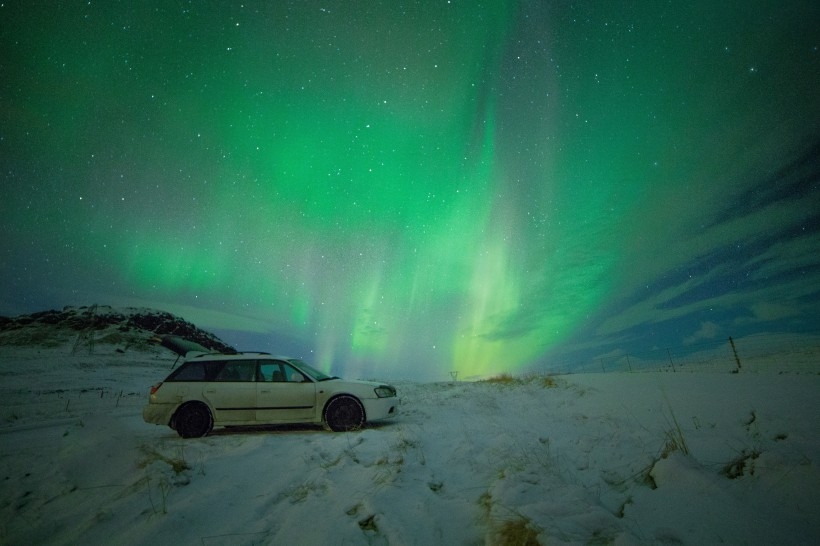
point(411, 188)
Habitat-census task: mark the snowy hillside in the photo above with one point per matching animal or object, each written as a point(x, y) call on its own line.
point(85, 327)
point(643, 458)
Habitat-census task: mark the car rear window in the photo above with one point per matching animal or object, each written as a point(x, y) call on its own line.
point(197, 371)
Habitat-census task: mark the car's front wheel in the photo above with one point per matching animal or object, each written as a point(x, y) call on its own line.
point(193, 420)
point(344, 413)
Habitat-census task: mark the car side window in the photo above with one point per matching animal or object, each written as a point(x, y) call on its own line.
point(293, 375)
point(271, 371)
point(238, 370)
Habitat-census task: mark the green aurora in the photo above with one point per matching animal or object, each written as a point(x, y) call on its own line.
point(415, 187)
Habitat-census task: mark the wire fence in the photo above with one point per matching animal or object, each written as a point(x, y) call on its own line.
point(22, 404)
point(753, 354)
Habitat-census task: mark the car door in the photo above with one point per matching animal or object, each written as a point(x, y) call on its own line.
point(284, 395)
point(232, 393)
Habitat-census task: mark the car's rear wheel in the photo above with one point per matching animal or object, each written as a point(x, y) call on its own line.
point(193, 420)
point(344, 413)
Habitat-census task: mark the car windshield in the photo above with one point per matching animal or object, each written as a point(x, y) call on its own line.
point(310, 370)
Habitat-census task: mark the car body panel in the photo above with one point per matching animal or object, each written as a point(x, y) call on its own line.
point(286, 402)
point(231, 401)
point(159, 413)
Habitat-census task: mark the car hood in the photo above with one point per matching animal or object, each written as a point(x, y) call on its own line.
point(354, 386)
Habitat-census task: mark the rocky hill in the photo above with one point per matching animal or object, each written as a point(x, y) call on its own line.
point(88, 327)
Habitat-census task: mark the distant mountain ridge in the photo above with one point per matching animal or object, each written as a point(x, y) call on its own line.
point(134, 328)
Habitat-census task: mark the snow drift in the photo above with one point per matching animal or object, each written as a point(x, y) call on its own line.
point(620, 458)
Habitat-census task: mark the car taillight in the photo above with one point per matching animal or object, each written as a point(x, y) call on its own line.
point(155, 388)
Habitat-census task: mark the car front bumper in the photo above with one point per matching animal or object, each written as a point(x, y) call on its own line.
point(377, 409)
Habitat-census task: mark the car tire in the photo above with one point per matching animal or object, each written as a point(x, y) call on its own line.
point(193, 420)
point(344, 413)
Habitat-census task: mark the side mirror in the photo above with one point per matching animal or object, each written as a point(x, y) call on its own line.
point(297, 378)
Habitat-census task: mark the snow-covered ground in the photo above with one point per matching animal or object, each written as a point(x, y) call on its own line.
point(616, 458)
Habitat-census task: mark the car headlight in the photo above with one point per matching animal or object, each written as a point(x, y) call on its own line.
point(385, 391)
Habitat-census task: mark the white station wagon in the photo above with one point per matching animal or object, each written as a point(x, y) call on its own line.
point(213, 389)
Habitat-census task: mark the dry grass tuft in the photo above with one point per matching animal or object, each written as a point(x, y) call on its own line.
point(517, 532)
point(177, 464)
point(502, 379)
point(675, 440)
point(546, 381)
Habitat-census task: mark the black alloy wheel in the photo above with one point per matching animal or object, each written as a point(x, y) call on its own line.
point(193, 420)
point(344, 413)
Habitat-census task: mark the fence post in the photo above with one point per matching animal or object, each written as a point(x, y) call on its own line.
point(734, 350)
point(670, 359)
